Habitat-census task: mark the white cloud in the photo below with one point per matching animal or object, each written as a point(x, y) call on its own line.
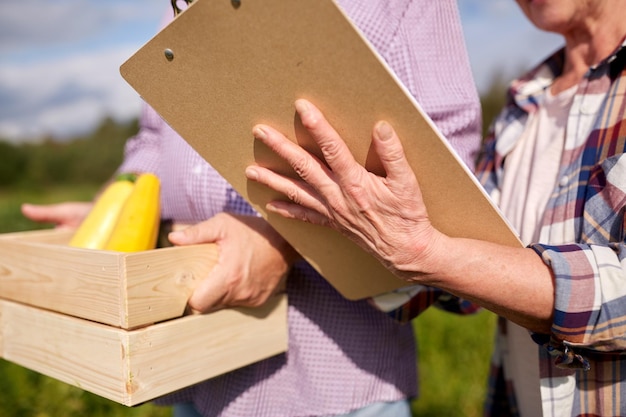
point(65, 96)
point(40, 23)
point(59, 63)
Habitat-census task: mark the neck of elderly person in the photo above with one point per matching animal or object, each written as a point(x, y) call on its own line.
point(591, 30)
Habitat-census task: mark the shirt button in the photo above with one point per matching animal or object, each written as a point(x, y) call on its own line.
point(197, 169)
point(589, 107)
point(563, 181)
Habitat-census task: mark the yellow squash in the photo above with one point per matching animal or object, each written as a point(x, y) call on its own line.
point(138, 222)
point(94, 231)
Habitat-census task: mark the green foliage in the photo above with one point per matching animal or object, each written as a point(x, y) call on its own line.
point(29, 394)
point(493, 99)
point(454, 353)
point(12, 163)
point(89, 159)
point(11, 218)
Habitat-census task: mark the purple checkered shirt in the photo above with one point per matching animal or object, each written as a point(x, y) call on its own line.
point(342, 355)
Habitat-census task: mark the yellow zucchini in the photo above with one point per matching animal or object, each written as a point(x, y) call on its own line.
point(138, 222)
point(95, 229)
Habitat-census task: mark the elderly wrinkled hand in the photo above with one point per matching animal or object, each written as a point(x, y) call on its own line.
point(383, 214)
point(386, 216)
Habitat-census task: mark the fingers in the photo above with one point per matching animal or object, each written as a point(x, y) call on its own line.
point(335, 151)
point(211, 293)
point(391, 153)
point(303, 163)
point(68, 214)
point(295, 211)
point(308, 197)
point(229, 284)
point(343, 167)
point(43, 213)
point(315, 174)
point(35, 213)
point(337, 154)
point(208, 231)
point(252, 257)
point(299, 193)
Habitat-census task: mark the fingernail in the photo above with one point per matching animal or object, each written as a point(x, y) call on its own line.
point(175, 235)
point(259, 133)
point(302, 106)
point(252, 173)
point(384, 130)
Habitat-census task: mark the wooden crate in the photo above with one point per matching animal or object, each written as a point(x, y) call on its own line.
point(112, 323)
point(134, 366)
point(125, 290)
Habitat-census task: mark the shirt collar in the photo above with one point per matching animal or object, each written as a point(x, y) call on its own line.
point(527, 91)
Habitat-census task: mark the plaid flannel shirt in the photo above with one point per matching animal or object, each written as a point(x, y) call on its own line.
point(583, 366)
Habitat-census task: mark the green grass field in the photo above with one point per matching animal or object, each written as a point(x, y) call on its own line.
point(453, 353)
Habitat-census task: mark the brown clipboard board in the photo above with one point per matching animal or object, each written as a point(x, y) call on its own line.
point(217, 70)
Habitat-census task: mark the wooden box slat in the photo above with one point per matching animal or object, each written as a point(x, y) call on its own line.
point(125, 290)
point(134, 366)
point(87, 317)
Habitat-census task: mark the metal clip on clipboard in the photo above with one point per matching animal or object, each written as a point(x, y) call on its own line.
point(178, 10)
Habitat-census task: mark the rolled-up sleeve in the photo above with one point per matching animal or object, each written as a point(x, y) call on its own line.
point(590, 295)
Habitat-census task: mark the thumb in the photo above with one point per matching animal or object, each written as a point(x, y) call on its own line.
point(211, 293)
point(204, 232)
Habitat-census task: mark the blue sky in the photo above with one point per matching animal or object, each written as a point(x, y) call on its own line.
point(59, 60)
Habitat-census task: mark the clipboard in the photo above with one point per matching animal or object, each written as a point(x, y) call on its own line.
point(221, 67)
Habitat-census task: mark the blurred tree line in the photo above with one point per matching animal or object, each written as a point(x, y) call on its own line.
point(87, 159)
point(493, 99)
point(92, 158)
